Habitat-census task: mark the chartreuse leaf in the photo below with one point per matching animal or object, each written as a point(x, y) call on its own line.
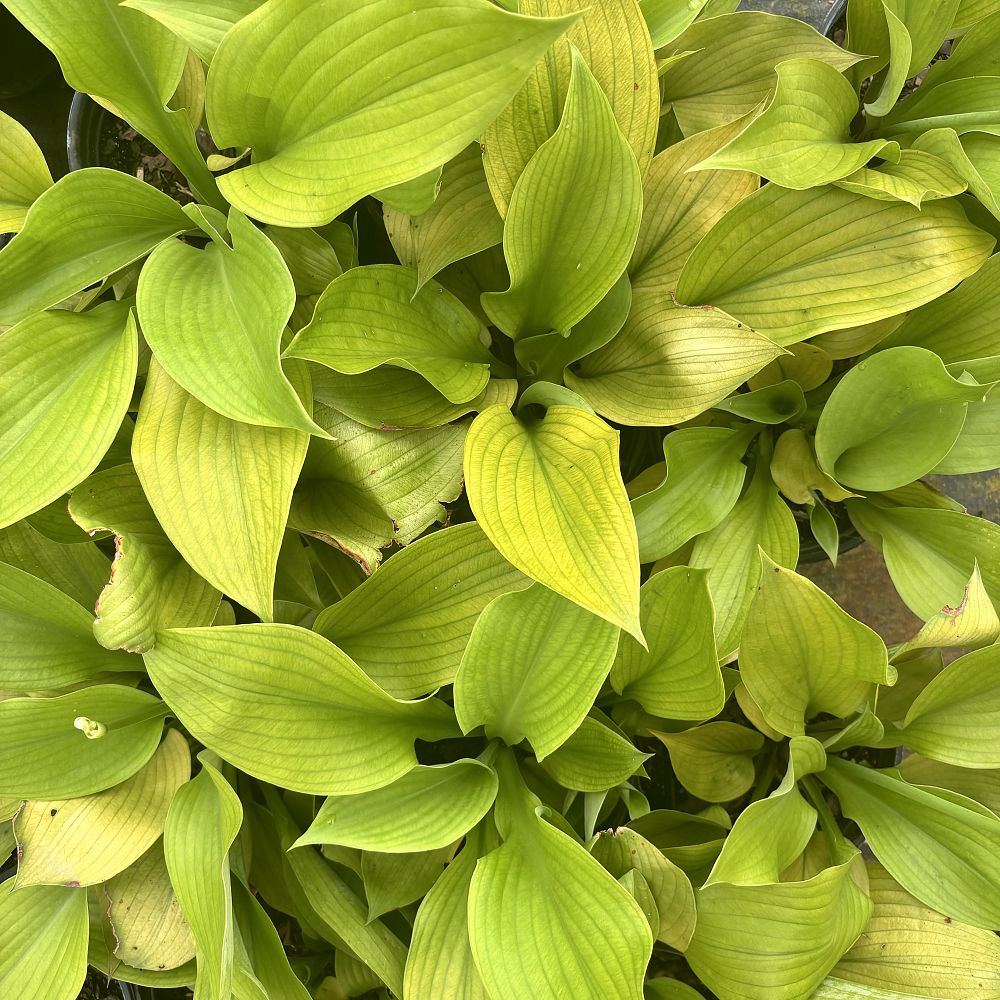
point(802, 138)
point(333, 907)
point(128, 61)
point(427, 808)
point(534, 664)
point(145, 915)
point(614, 42)
point(408, 624)
point(792, 264)
point(394, 880)
point(776, 939)
point(917, 176)
point(972, 623)
point(77, 743)
point(78, 571)
point(337, 129)
point(545, 918)
point(714, 762)
point(931, 553)
point(977, 448)
point(439, 962)
point(66, 380)
point(680, 207)
point(365, 488)
point(595, 758)
point(893, 45)
point(907, 948)
point(193, 463)
point(678, 677)
point(44, 929)
point(666, 19)
point(956, 717)
point(87, 226)
point(704, 478)
point(892, 418)
point(913, 829)
point(311, 260)
point(801, 655)
point(551, 499)
point(379, 315)
point(204, 819)
point(669, 364)
point(759, 520)
point(151, 586)
point(778, 403)
point(388, 398)
point(731, 68)
point(964, 105)
point(258, 694)
point(48, 639)
point(669, 989)
point(83, 841)
point(692, 842)
point(981, 784)
point(213, 318)
point(462, 221)
point(413, 196)
point(24, 174)
point(200, 23)
point(795, 472)
point(573, 218)
point(623, 850)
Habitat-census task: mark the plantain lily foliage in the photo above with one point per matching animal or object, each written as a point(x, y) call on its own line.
point(398, 542)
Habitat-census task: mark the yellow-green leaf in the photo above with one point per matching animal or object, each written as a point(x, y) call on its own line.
point(714, 762)
point(66, 381)
point(24, 174)
point(792, 264)
point(193, 463)
point(83, 841)
point(340, 126)
point(551, 498)
point(573, 218)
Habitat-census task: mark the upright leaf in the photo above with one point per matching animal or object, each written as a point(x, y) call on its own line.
point(213, 318)
point(44, 929)
point(573, 218)
point(408, 624)
point(462, 221)
point(801, 655)
point(792, 264)
point(760, 520)
point(615, 44)
point(550, 497)
point(193, 463)
point(678, 677)
point(545, 918)
point(338, 128)
point(151, 586)
point(66, 381)
point(534, 664)
point(24, 174)
point(202, 824)
point(201, 23)
point(271, 690)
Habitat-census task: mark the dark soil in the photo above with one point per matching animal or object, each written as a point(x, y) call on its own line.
point(122, 148)
point(96, 987)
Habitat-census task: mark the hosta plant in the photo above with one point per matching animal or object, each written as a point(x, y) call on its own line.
point(398, 541)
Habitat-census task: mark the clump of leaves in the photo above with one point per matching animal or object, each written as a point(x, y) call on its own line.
point(338, 659)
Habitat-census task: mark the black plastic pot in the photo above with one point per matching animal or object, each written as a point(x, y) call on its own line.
point(823, 15)
point(83, 132)
point(24, 61)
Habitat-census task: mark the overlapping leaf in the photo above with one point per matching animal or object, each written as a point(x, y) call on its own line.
point(59, 420)
point(289, 707)
point(573, 218)
point(24, 175)
point(385, 93)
